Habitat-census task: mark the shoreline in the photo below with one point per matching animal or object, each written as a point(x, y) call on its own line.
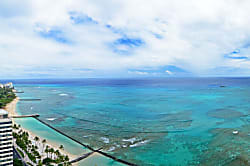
point(11, 109)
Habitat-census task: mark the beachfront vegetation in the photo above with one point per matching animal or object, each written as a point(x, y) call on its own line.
point(34, 153)
point(17, 162)
point(6, 96)
point(20, 152)
point(61, 147)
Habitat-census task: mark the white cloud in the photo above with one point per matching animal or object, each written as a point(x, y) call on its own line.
point(138, 72)
point(193, 35)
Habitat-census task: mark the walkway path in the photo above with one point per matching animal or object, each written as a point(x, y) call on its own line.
point(17, 155)
point(25, 158)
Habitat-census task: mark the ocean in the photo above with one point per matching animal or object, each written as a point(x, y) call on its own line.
point(152, 121)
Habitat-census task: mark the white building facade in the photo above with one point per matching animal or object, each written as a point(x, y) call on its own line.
point(6, 139)
point(7, 85)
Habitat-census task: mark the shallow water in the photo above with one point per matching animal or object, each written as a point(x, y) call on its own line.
point(173, 121)
point(98, 160)
point(52, 136)
point(70, 146)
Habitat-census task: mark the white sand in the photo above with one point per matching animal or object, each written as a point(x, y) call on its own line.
point(11, 108)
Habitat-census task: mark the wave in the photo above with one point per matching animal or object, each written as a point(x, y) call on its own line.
point(63, 94)
point(51, 119)
point(105, 140)
point(124, 146)
point(139, 143)
point(112, 148)
point(86, 136)
point(132, 140)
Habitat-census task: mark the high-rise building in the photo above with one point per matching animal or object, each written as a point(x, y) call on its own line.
point(6, 139)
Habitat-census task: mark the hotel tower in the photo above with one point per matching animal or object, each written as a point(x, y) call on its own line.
point(6, 139)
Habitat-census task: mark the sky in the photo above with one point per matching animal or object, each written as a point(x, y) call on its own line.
point(124, 38)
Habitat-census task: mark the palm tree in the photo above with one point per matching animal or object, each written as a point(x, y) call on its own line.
point(57, 153)
point(61, 147)
point(44, 142)
point(52, 152)
point(39, 157)
point(32, 149)
point(36, 139)
point(40, 163)
point(67, 164)
point(66, 158)
point(47, 151)
point(61, 158)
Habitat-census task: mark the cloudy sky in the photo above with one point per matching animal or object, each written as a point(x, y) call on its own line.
point(124, 38)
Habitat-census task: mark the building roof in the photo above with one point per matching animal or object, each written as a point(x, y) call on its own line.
point(3, 112)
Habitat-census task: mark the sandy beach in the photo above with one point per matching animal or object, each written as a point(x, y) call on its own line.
point(49, 143)
point(11, 108)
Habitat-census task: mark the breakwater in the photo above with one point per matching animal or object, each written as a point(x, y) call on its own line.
point(87, 146)
point(26, 116)
point(18, 91)
point(30, 99)
point(81, 157)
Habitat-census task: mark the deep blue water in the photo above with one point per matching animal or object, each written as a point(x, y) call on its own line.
point(158, 121)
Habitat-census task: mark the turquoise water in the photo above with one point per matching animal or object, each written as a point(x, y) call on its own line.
point(70, 146)
point(152, 121)
point(98, 160)
point(52, 136)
